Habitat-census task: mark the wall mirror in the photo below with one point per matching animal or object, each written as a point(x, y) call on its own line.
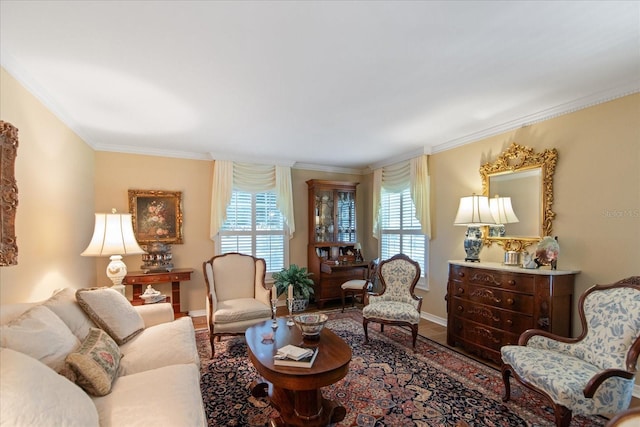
point(8, 194)
point(527, 178)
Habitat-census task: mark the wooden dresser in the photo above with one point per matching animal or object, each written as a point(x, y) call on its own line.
point(489, 305)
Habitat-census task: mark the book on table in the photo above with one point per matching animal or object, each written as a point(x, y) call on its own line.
point(291, 355)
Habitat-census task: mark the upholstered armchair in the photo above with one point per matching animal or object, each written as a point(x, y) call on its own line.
point(396, 303)
point(236, 294)
point(591, 374)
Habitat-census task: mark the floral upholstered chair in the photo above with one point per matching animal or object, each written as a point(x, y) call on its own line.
point(236, 294)
point(591, 374)
point(397, 303)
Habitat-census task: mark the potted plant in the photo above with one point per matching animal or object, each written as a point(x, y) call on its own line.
point(299, 279)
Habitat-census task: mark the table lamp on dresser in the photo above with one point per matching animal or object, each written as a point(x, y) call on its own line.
point(473, 212)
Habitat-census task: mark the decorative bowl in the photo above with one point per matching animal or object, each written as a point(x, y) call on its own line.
point(310, 324)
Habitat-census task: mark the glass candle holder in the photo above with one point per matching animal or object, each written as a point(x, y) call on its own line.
point(290, 317)
point(274, 321)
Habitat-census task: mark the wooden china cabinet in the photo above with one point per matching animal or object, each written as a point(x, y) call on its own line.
point(331, 255)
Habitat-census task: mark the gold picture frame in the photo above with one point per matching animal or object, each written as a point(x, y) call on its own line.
point(8, 194)
point(156, 216)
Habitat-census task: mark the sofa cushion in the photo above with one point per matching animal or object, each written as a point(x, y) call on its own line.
point(34, 395)
point(161, 345)
point(63, 303)
point(112, 312)
point(168, 396)
point(237, 310)
point(96, 362)
point(39, 333)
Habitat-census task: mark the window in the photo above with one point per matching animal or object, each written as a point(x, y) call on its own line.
point(255, 226)
point(400, 231)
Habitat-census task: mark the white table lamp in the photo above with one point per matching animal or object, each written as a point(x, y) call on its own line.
point(473, 212)
point(113, 236)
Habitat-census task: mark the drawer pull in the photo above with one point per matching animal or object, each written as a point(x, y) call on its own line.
point(510, 301)
point(460, 308)
point(509, 322)
point(511, 282)
point(460, 291)
point(461, 274)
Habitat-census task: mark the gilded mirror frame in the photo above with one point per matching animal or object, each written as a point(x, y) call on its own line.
point(8, 194)
point(514, 159)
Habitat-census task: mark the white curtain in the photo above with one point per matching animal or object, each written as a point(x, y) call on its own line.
point(395, 178)
point(252, 178)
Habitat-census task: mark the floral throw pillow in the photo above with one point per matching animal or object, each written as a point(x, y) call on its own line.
point(95, 364)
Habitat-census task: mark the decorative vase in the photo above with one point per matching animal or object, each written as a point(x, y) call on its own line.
point(300, 305)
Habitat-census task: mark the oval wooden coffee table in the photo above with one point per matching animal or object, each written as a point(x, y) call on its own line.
point(295, 392)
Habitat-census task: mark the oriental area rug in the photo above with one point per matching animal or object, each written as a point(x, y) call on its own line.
point(388, 384)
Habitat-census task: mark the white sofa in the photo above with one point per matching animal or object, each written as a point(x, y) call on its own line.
point(157, 381)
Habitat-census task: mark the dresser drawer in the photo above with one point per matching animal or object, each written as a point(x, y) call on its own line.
point(492, 316)
point(495, 297)
point(507, 281)
point(157, 278)
point(483, 335)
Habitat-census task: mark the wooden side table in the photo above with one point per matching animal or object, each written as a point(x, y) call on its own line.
point(138, 279)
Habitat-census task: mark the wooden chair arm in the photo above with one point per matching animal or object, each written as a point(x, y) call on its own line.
point(600, 377)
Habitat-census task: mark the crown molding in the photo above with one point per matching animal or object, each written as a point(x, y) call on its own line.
point(331, 169)
point(401, 157)
point(146, 151)
point(250, 159)
point(541, 116)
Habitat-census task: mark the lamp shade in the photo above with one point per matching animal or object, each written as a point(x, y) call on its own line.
point(502, 210)
point(113, 235)
point(474, 211)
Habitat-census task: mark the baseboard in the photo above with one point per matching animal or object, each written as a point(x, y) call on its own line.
point(435, 319)
point(443, 322)
point(197, 313)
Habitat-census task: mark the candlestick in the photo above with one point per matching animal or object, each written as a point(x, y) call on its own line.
point(290, 296)
point(290, 317)
point(274, 302)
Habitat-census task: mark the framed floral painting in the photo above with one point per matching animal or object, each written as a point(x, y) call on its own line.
point(156, 216)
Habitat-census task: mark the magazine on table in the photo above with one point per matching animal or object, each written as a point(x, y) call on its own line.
point(290, 355)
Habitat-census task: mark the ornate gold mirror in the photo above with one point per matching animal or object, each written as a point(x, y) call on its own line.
point(8, 194)
point(527, 178)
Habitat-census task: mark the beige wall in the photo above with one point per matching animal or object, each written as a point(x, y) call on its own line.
point(596, 189)
point(117, 173)
point(55, 175)
point(597, 177)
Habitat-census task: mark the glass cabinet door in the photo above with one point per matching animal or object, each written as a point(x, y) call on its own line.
point(325, 227)
point(346, 216)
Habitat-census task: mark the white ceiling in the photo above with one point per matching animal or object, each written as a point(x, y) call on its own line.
point(342, 85)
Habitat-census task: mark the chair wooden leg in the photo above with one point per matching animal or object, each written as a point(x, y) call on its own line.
point(342, 292)
point(414, 333)
point(213, 347)
point(365, 323)
point(506, 372)
point(563, 415)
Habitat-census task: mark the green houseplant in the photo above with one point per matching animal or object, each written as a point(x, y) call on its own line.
point(299, 279)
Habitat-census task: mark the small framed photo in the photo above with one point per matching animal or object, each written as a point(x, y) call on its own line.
point(156, 216)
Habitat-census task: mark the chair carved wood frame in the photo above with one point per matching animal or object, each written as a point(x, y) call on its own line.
point(611, 352)
point(400, 306)
point(252, 297)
